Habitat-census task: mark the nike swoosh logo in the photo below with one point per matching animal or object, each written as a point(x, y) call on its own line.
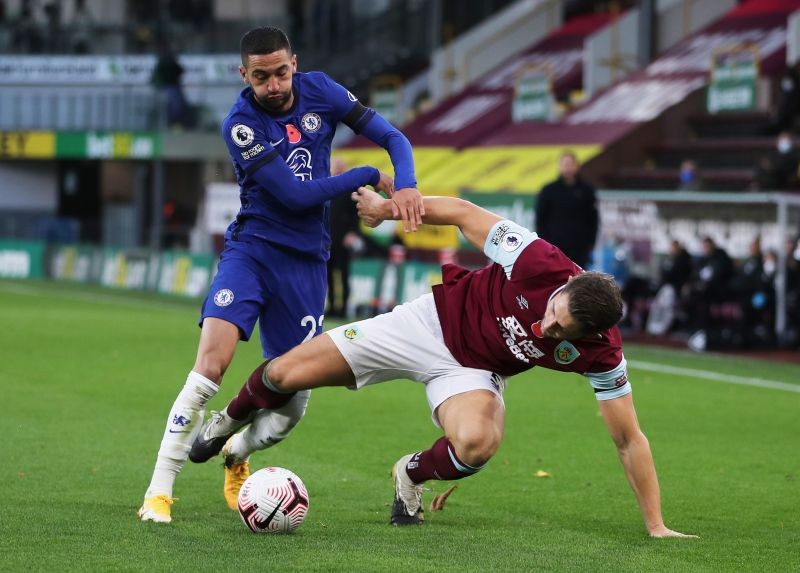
point(276, 143)
point(270, 517)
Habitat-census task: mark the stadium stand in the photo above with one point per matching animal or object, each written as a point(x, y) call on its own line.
point(495, 137)
point(483, 109)
point(625, 128)
point(726, 146)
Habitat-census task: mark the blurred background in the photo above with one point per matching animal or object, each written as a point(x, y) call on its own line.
point(656, 140)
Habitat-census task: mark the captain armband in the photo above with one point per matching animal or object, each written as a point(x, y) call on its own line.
point(611, 384)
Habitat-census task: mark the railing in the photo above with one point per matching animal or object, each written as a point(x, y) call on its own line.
point(468, 56)
point(655, 217)
point(793, 39)
point(115, 93)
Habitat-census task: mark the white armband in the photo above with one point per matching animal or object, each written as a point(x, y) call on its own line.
point(611, 384)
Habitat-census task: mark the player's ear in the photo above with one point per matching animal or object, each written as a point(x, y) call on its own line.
point(294, 63)
point(243, 73)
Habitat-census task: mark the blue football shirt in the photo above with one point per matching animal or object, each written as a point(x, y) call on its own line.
point(293, 211)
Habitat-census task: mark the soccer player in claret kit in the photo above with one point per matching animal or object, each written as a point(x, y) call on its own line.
point(531, 307)
point(273, 266)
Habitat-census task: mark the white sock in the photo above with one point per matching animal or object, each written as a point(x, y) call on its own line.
point(269, 427)
point(184, 421)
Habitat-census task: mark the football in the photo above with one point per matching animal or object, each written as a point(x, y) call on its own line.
point(273, 500)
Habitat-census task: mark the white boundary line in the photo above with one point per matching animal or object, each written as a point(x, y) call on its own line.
point(716, 376)
point(120, 299)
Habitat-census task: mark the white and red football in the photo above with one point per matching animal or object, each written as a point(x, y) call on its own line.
point(273, 500)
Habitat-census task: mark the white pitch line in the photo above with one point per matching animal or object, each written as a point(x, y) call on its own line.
point(716, 376)
point(110, 298)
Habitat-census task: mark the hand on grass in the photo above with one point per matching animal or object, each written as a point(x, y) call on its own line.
point(664, 531)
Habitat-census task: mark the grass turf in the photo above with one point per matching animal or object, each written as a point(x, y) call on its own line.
point(88, 375)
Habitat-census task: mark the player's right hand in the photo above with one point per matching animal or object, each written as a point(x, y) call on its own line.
point(664, 531)
point(368, 205)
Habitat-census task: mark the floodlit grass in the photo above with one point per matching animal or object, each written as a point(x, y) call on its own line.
point(87, 377)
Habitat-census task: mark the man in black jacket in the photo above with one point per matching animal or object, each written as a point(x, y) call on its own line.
point(345, 241)
point(566, 212)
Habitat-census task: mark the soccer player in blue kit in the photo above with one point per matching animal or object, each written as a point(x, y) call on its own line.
point(273, 266)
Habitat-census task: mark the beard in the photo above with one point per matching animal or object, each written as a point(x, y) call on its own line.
point(275, 102)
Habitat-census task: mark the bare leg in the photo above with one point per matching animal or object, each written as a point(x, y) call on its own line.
point(473, 426)
point(313, 364)
point(218, 339)
point(474, 423)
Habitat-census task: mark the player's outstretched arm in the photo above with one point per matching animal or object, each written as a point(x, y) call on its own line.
point(634, 453)
point(277, 179)
point(475, 222)
point(407, 203)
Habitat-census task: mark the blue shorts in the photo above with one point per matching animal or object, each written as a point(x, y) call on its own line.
point(284, 292)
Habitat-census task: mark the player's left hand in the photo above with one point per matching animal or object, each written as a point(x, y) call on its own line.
point(368, 205)
point(407, 205)
point(664, 531)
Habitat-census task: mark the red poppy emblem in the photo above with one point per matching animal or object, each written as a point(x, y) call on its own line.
point(293, 134)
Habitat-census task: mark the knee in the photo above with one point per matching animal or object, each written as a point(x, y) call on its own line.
point(279, 373)
point(476, 446)
point(211, 366)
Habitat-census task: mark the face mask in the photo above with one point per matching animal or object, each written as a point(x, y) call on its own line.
point(769, 266)
point(784, 145)
point(687, 176)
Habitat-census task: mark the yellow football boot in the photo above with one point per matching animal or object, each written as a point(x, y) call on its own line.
point(235, 476)
point(157, 508)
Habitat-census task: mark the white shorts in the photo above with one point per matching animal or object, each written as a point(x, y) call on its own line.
point(408, 343)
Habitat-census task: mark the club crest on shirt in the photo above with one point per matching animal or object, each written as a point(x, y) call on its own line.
point(311, 123)
point(352, 333)
point(223, 297)
point(566, 353)
point(242, 135)
point(522, 302)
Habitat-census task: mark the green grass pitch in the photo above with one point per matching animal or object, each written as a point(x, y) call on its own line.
point(87, 376)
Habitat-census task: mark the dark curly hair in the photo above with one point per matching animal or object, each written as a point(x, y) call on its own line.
point(263, 41)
